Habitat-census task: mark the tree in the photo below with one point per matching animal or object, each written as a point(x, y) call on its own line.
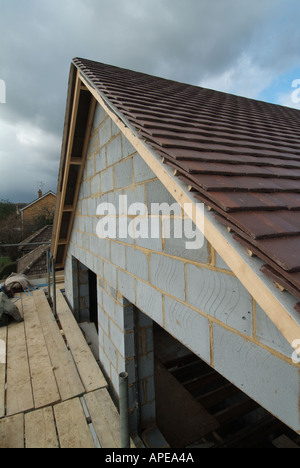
point(12, 232)
point(11, 229)
point(6, 209)
point(45, 218)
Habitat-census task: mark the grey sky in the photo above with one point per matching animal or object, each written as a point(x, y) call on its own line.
point(239, 46)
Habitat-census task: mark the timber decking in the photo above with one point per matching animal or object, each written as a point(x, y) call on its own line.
point(51, 387)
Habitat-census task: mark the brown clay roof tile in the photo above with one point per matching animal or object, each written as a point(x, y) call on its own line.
point(240, 156)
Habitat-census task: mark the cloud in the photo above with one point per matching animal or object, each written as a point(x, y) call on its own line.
point(32, 160)
point(245, 78)
point(291, 99)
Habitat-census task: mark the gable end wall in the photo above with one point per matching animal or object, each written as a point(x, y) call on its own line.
point(191, 294)
point(45, 206)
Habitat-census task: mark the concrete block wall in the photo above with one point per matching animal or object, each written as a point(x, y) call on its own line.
point(192, 294)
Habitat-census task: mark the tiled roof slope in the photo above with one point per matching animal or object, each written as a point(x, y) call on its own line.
point(239, 156)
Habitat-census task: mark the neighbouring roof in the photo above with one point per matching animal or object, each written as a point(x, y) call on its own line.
point(38, 200)
point(34, 261)
point(239, 156)
point(42, 235)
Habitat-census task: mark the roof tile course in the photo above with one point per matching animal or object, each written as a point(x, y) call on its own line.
point(239, 156)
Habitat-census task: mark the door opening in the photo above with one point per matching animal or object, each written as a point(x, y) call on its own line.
point(93, 301)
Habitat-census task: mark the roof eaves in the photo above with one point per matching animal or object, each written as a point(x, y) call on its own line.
point(79, 115)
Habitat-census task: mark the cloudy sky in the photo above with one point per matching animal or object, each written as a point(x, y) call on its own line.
point(249, 48)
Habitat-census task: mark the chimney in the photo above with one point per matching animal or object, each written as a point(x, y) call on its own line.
point(40, 193)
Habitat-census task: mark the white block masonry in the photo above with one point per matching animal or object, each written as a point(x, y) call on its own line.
point(192, 294)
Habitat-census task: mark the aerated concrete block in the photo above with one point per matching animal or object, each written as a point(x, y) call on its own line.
point(105, 132)
point(118, 256)
point(114, 151)
point(110, 274)
point(268, 333)
point(149, 301)
point(142, 171)
point(179, 247)
point(90, 167)
point(100, 160)
point(137, 263)
point(126, 285)
point(123, 174)
point(98, 117)
point(260, 374)
point(220, 295)
point(128, 149)
point(107, 180)
point(117, 337)
point(110, 351)
point(135, 195)
point(148, 240)
point(189, 327)
point(95, 185)
point(157, 193)
point(220, 263)
point(108, 304)
point(168, 274)
point(103, 320)
point(114, 129)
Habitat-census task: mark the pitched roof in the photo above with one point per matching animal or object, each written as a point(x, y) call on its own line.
point(239, 156)
point(42, 235)
point(33, 260)
point(174, 126)
point(38, 199)
point(27, 265)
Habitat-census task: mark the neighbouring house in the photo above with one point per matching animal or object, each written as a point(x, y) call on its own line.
point(43, 207)
point(32, 253)
point(207, 335)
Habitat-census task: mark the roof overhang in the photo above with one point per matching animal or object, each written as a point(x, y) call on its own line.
point(278, 306)
point(77, 128)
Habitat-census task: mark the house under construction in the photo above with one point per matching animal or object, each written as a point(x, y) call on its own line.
point(207, 335)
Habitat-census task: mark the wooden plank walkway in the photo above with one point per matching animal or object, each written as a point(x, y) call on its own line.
point(52, 391)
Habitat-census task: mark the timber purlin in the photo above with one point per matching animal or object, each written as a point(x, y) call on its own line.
point(48, 379)
point(236, 154)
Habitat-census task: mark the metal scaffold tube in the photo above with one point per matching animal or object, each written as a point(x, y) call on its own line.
point(49, 274)
point(124, 410)
point(54, 287)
